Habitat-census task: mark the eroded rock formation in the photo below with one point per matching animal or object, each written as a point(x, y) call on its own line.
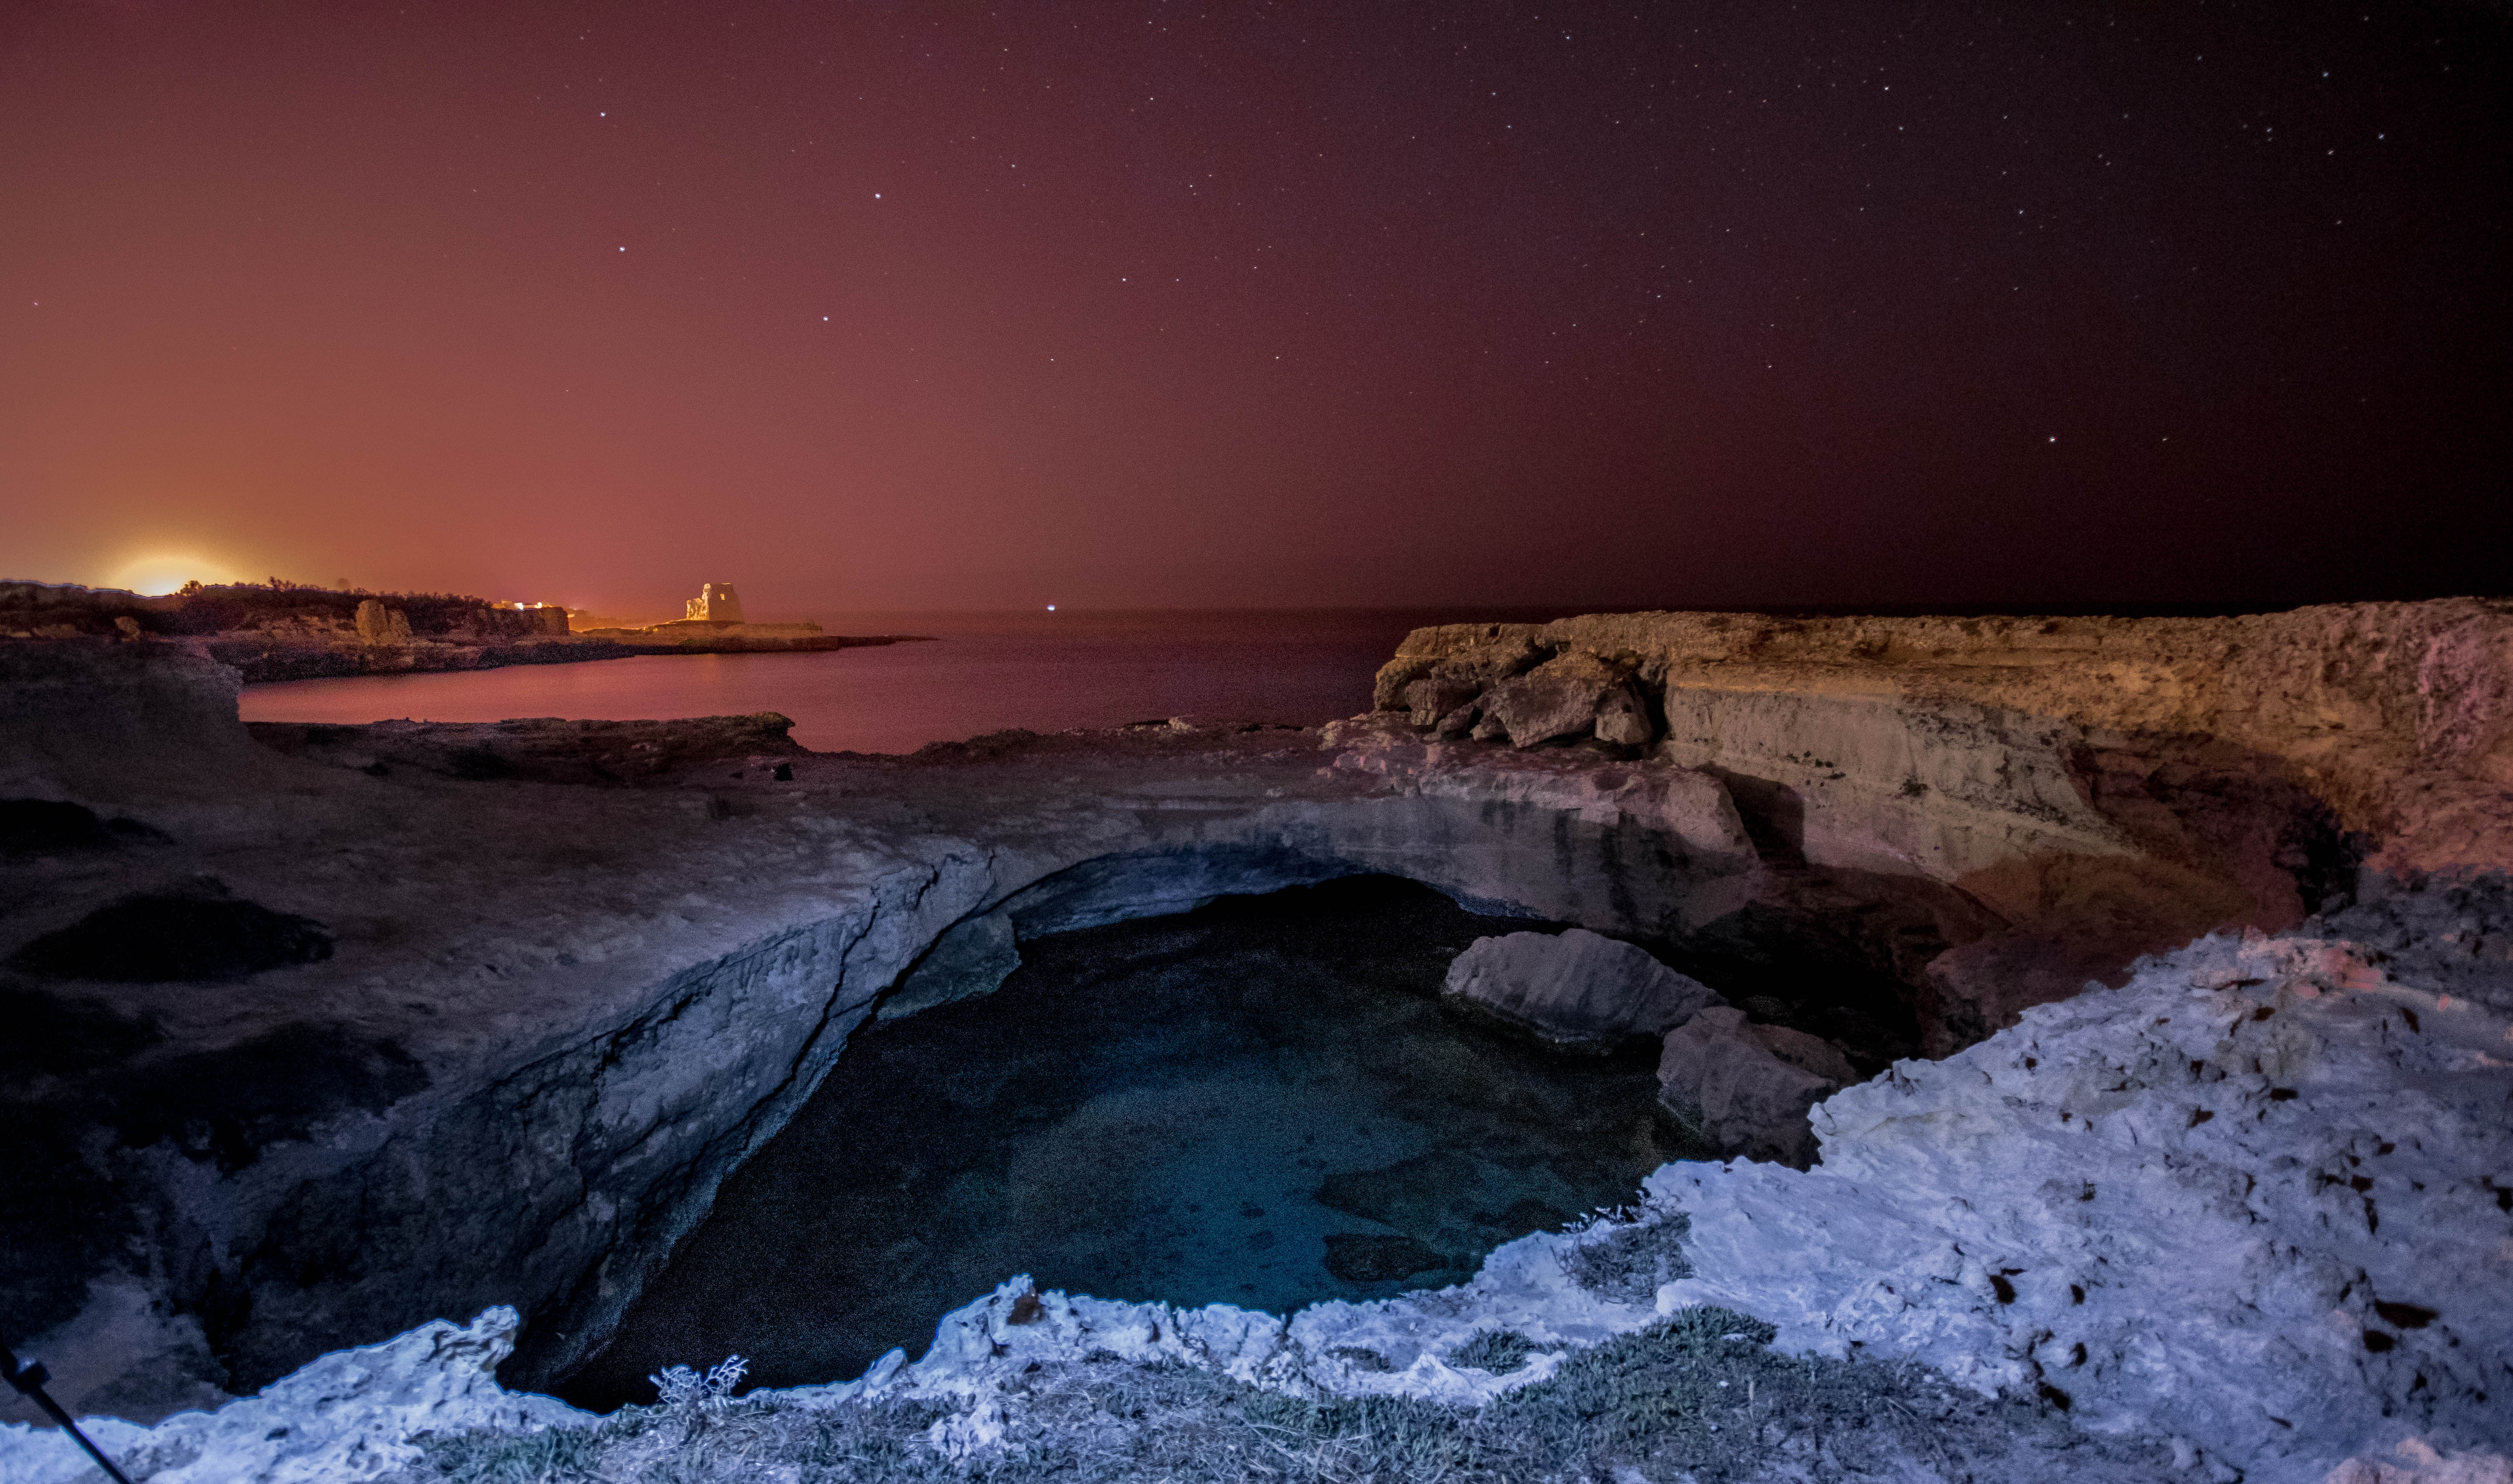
point(1577, 990)
point(555, 1016)
point(378, 624)
point(2083, 789)
point(2241, 1216)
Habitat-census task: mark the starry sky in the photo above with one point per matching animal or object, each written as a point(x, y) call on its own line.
point(1131, 303)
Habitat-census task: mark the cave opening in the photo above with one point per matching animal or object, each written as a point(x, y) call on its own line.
point(1261, 1103)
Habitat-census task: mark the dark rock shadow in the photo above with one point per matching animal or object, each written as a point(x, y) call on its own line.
point(198, 934)
point(53, 827)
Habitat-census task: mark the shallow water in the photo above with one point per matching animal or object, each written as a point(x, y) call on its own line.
point(1258, 1104)
point(983, 673)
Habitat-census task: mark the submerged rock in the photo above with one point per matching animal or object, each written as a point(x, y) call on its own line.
point(1361, 1257)
point(1745, 1089)
point(1579, 990)
point(548, 749)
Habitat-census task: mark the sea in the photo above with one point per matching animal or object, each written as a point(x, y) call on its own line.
point(971, 674)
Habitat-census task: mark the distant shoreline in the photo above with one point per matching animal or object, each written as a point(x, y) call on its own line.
point(279, 631)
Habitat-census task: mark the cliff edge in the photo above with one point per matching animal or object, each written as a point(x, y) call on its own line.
point(2086, 789)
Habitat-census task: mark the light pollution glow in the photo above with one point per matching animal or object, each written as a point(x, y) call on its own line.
point(158, 574)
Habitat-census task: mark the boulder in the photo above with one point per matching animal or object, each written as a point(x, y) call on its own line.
point(378, 624)
point(1623, 718)
point(1474, 665)
point(1576, 695)
point(1578, 991)
point(1745, 1089)
point(1455, 682)
point(1435, 697)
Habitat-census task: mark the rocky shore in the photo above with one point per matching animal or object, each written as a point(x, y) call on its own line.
point(274, 634)
point(521, 1013)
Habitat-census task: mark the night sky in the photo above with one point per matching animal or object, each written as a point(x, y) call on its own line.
point(1117, 304)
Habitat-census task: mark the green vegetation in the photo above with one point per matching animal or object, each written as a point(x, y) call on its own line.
point(1698, 1396)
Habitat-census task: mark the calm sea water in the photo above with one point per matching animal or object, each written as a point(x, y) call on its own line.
point(985, 671)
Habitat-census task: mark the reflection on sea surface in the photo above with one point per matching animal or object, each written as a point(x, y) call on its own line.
point(987, 672)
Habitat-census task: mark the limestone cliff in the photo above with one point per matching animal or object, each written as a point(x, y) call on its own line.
point(552, 1017)
point(2087, 789)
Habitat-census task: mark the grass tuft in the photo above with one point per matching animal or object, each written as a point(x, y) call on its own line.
point(1625, 1263)
point(1500, 1352)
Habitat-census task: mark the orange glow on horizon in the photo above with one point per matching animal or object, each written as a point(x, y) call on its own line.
point(156, 576)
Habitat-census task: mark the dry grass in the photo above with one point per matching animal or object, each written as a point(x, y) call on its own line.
point(1699, 1396)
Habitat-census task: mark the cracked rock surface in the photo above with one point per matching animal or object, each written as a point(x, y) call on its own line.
point(2302, 1286)
point(555, 1015)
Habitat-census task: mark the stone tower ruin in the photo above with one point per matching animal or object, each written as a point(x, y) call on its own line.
point(716, 603)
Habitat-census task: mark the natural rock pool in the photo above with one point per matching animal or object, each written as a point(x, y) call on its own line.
point(1260, 1104)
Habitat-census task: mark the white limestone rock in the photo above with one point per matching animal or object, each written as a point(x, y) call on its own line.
point(349, 1415)
point(378, 624)
point(2250, 1205)
point(2250, 1199)
point(1434, 698)
point(1576, 991)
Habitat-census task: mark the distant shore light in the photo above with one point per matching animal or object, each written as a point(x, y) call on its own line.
point(157, 576)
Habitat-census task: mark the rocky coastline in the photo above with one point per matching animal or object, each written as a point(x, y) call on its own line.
point(570, 975)
point(275, 633)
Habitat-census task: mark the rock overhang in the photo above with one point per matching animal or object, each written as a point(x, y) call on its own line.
point(2227, 1320)
point(607, 996)
point(530, 939)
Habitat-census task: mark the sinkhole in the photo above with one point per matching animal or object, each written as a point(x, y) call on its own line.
point(1259, 1103)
